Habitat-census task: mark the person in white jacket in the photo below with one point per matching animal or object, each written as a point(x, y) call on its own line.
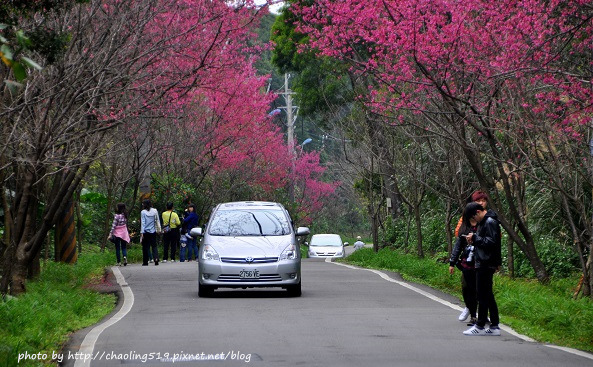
point(358, 244)
point(150, 225)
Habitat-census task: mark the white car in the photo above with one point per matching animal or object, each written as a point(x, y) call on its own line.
point(326, 245)
point(249, 244)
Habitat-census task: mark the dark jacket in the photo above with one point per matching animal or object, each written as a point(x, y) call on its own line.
point(460, 249)
point(487, 241)
point(190, 221)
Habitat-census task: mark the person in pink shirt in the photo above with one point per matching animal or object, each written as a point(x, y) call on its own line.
point(119, 233)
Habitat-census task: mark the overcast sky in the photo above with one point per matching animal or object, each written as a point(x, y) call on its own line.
point(274, 8)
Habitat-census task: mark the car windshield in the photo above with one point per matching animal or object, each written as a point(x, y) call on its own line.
point(326, 241)
point(249, 222)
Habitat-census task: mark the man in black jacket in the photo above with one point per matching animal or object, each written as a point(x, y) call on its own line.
point(486, 242)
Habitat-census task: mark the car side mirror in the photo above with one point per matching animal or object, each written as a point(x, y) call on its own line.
point(346, 244)
point(302, 231)
point(196, 232)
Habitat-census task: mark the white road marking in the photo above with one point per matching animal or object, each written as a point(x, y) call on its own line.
point(456, 307)
point(88, 344)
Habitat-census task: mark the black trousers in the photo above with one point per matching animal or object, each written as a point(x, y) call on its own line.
point(469, 290)
point(486, 302)
point(170, 241)
point(148, 244)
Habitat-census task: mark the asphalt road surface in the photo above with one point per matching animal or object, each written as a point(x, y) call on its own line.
point(345, 317)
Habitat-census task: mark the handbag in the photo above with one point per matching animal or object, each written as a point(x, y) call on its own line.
point(167, 228)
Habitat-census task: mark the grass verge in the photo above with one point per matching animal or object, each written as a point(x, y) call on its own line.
point(57, 304)
point(546, 313)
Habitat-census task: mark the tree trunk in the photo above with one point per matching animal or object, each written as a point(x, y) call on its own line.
point(35, 267)
point(527, 245)
point(18, 277)
point(511, 257)
point(107, 220)
point(448, 229)
point(579, 243)
point(78, 220)
point(590, 271)
point(28, 234)
point(418, 220)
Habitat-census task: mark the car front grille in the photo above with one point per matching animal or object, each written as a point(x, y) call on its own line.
point(235, 278)
point(243, 260)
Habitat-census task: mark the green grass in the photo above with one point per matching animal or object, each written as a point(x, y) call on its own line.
point(54, 306)
point(546, 313)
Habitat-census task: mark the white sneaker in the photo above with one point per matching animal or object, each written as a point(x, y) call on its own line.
point(164, 261)
point(172, 261)
point(475, 331)
point(151, 261)
point(464, 315)
point(493, 331)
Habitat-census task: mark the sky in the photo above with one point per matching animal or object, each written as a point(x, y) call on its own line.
point(274, 8)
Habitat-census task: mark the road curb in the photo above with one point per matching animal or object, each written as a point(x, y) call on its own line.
point(83, 341)
point(436, 298)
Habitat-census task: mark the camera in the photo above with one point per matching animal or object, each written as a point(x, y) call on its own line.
point(470, 254)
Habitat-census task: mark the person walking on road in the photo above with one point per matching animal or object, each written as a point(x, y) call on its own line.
point(150, 225)
point(119, 234)
point(171, 225)
point(487, 251)
point(358, 244)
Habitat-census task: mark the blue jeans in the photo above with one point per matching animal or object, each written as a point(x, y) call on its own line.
point(120, 245)
point(182, 250)
point(192, 247)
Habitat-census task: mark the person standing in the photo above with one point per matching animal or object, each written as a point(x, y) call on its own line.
point(150, 225)
point(481, 198)
point(171, 225)
point(119, 234)
point(358, 244)
point(487, 251)
point(462, 257)
point(191, 221)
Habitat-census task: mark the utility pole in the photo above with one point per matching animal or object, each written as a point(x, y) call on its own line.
point(291, 113)
point(291, 116)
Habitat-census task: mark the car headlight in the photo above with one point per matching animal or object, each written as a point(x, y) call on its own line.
point(209, 253)
point(289, 253)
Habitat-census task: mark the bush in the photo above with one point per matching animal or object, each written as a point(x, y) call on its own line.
point(54, 306)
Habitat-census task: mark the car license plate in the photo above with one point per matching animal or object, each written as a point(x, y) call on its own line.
point(249, 274)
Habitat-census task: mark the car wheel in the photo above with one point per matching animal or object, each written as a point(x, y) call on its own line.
point(205, 290)
point(294, 290)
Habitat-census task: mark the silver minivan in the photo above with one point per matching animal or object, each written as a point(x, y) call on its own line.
point(326, 245)
point(249, 244)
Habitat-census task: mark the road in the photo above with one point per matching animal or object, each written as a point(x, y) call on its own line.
point(345, 317)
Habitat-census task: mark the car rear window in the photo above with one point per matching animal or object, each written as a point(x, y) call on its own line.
point(249, 222)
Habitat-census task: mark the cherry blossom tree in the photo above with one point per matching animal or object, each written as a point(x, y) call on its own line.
point(488, 72)
point(132, 69)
